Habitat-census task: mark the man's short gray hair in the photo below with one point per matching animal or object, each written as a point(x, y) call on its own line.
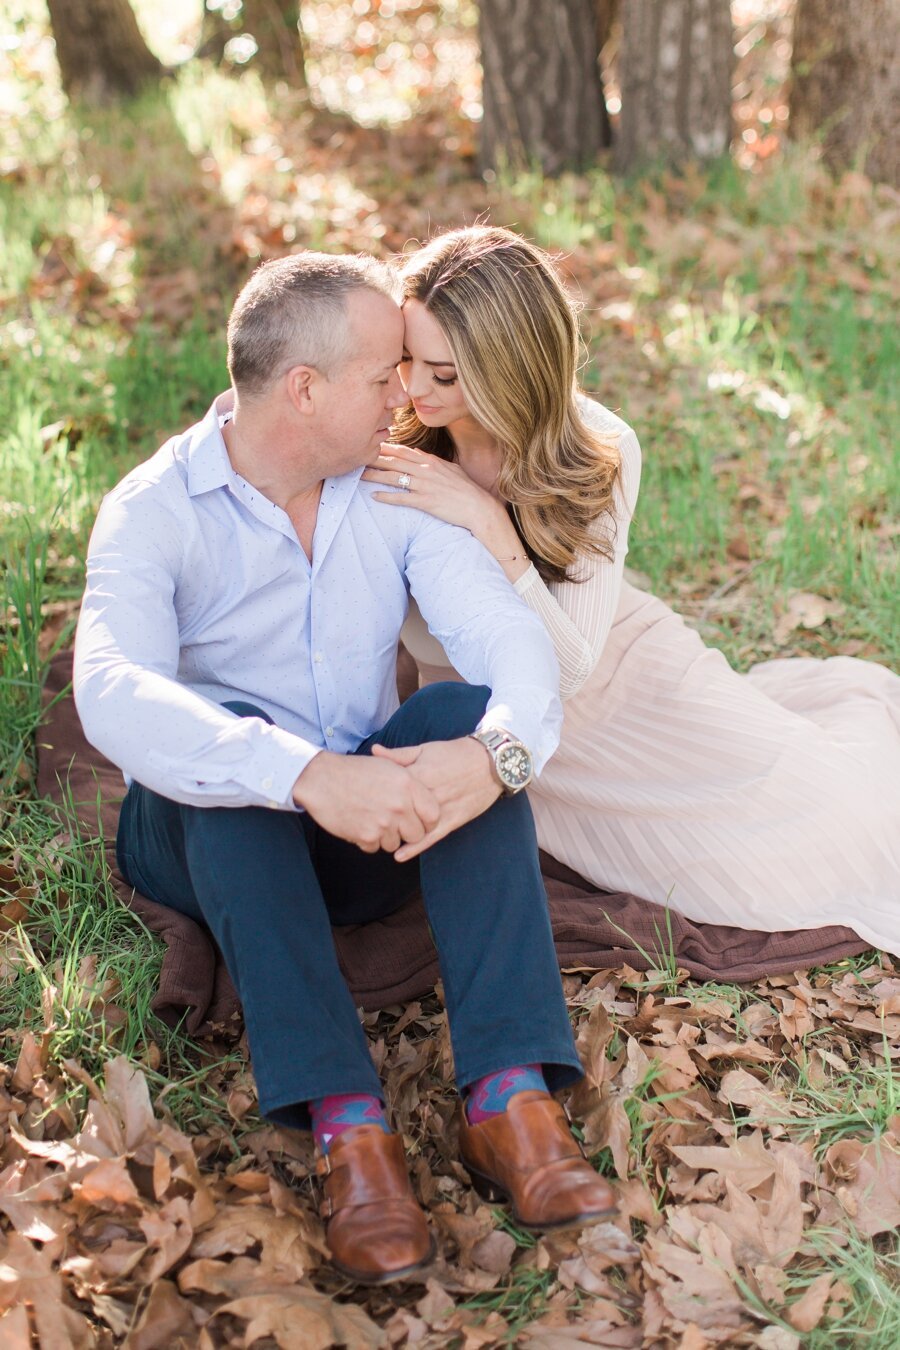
point(293, 312)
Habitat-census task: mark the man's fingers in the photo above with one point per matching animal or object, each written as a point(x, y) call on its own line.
point(410, 851)
point(428, 808)
point(401, 754)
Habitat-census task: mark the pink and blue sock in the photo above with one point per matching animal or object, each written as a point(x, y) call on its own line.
point(490, 1096)
point(342, 1111)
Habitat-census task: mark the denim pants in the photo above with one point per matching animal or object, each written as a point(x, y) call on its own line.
point(269, 884)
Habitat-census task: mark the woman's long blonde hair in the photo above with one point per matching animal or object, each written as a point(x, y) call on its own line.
point(514, 337)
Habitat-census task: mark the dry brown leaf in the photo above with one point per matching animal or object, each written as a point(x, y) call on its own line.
point(164, 1317)
point(599, 1249)
point(777, 1338)
point(694, 1286)
point(608, 1126)
point(744, 1161)
point(231, 1279)
point(283, 1240)
point(169, 1231)
point(435, 1305)
point(805, 609)
point(107, 1184)
point(807, 1312)
point(494, 1252)
point(740, 1088)
point(594, 1036)
point(27, 1277)
point(30, 1063)
point(300, 1318)
point(769, 1231)
point(866, 1179)
point(466, 1230)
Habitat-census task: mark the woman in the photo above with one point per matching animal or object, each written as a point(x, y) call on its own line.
point(768, 800)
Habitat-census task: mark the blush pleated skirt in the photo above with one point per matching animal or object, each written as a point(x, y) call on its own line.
point(769, 800)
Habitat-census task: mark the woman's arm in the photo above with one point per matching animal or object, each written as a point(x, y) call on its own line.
point(578, 615)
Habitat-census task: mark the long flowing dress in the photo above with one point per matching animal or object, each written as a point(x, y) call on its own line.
point(769, 800)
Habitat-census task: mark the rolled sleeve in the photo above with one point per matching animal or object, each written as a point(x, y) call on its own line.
point(489, 634)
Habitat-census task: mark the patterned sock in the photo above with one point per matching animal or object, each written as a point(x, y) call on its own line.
point(333, 1115)
point(490, 1096)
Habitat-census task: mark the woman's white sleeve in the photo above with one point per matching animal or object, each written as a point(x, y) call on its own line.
point(578, 615)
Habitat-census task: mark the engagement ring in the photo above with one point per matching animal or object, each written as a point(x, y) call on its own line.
point(404, 481)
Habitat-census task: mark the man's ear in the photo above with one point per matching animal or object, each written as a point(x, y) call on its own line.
point(302, 387)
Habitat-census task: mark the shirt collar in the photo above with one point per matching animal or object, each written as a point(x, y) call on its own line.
point(208, 468)
point(208, 465)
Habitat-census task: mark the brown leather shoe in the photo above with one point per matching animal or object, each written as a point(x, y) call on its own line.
point(375, 1229)
point(529, 1156)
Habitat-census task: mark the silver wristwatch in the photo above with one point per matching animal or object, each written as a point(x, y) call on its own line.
point(512, 762)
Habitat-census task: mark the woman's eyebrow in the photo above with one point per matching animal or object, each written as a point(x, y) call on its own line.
point(431, 362)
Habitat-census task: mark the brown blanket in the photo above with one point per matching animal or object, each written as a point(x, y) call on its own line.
point(393, 959)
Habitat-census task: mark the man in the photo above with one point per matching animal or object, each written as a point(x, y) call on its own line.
point(236, 657)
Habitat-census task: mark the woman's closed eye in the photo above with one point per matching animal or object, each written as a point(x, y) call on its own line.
point(406, 360)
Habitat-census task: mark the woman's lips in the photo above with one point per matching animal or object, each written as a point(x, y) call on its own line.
point(423, 407)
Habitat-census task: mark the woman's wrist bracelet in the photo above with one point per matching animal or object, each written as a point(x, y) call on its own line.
point(516, 557)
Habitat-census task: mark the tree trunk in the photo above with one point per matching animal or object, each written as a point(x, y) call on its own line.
point(846, 83)
point(676, 63)
point(543, 98)
point(275, 26)
point(101, 52)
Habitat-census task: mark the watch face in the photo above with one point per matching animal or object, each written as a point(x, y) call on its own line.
point(514, 766)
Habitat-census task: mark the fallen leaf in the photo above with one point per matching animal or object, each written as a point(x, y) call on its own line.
point(164, 1317)
point(494, 1252)
point(867, 1184)
point(806, 1313)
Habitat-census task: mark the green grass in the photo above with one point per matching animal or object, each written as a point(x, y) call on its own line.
point(868, 1276)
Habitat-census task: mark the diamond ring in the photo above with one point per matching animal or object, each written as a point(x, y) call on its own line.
point(404, 481)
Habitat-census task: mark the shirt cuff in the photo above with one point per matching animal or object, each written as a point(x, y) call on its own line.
point(276, 765)
point(526, 580)
point(539, 733)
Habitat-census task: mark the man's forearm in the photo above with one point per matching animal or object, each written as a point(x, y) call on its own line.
point(182, 745)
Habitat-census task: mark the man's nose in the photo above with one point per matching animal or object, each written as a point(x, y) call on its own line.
point(396, 394)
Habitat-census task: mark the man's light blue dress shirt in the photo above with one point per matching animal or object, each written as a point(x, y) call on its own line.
point(198, 591)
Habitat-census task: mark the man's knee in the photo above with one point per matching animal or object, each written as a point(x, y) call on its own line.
point(449, 709)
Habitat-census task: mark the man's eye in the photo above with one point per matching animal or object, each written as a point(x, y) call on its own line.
point(404, 360)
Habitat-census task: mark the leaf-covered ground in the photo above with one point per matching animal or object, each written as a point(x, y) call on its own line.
point(754, 1138)
point(744, 320)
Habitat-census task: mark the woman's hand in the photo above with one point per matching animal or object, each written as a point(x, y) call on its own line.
point(446, 491)
point(436, 486)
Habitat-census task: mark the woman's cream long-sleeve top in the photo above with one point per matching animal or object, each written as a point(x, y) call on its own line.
point(578, 615)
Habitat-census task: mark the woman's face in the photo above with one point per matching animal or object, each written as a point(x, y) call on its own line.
point(428, 370)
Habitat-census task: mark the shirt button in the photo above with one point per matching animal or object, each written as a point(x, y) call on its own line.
point(318, 658)
point(273, 806)
point(329, 731)
point(267, 782)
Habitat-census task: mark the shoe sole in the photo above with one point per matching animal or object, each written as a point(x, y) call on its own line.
point(388, 1276)
point(494, 1193)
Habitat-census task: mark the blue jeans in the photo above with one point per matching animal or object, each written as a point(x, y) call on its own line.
point(269, 885)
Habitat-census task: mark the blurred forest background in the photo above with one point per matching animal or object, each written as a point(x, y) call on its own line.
point(719, 185)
